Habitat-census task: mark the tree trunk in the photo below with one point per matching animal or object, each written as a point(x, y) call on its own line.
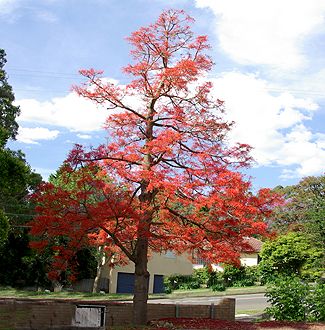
point(101, 262)
point(141, 284)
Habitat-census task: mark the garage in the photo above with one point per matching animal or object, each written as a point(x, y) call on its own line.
point(158, 284)
point(125, 282)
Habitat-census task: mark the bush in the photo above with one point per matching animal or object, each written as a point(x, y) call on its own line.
point(181, 282)
point(215, 278)
point(220, 286)
point(201, 275)
point(295, 300)
point(316, 303)
point(240, 276)
point(291, 255)
point(217, 281)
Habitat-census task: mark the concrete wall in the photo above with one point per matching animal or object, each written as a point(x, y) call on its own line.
point(159, 264)
point(59, 314)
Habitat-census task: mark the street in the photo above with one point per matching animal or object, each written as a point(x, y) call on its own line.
point(247, 302)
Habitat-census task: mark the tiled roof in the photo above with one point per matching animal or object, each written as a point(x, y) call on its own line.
point(254, 243)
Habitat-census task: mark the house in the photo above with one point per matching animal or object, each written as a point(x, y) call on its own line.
point(250, 257)
point(121, 278)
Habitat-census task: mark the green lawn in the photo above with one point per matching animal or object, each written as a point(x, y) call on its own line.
point(15, 293)
point(209, 292)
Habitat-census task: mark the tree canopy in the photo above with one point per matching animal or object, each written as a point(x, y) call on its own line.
point(8, 111)
point(292, 254)
point(304, 209)
point(175, 181)
point(17, 181)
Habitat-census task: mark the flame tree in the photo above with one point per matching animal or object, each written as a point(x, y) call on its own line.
point(174, 180)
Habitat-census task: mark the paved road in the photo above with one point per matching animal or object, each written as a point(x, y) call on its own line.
point(243, 302)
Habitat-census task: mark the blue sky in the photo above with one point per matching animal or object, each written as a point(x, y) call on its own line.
point(269, 69)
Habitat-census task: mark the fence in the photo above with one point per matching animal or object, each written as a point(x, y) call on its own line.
point(61, 314)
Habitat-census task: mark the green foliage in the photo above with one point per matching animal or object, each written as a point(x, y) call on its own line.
point(317, 299)
point(290, 255)
point(17, 181)
point(201, 275)
point(4, 227)
point(86, 263)
point(181, 282)
point(198, 279)
point(295, 300)
point(215, 279)
point(304, 210)
point(218, 286)
point(19, 265)
point(240, 276)
point(8, 112)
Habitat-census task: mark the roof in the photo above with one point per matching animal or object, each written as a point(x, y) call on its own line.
point(254, 244)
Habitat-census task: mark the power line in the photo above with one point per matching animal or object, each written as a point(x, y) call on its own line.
point(67, 74)
point(73, 76)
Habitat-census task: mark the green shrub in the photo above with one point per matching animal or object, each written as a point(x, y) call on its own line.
point(220, 286)
point(295, 300)
point(289, 255)
point(288, 299)
point(240, 276)
point(201, 275)
point(183, 282)
point(216, 281)
point(317, 303)
point(215, 278)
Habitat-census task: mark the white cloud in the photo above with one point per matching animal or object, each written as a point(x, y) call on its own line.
point(44, 172)
point(47, 16)
point(32, 135)
point(7, 6)
point(84, 136)
point(264, 32)
point(72, 112)
point(272, 124)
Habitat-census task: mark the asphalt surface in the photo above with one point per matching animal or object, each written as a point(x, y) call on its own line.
point(246, 302)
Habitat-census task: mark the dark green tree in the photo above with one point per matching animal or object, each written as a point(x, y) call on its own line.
point(8, 111)
point(18, 263)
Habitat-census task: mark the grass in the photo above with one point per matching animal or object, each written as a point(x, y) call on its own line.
point(8, 292)
point(250, 312)
point(208, 292)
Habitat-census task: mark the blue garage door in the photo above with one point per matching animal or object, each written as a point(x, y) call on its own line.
point(125, 283)
point(158, 284)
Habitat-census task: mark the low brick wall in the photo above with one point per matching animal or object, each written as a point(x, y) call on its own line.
point(59, 314)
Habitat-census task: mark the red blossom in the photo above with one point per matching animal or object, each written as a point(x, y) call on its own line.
point(167, 177)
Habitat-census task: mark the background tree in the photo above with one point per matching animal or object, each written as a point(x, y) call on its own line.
point(175, 180)
point(8, 111)
point(291, 255)
point(304, 210)
point(18, 262)
point(17, 180)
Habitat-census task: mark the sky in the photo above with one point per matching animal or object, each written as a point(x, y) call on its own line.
point(269, 69)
